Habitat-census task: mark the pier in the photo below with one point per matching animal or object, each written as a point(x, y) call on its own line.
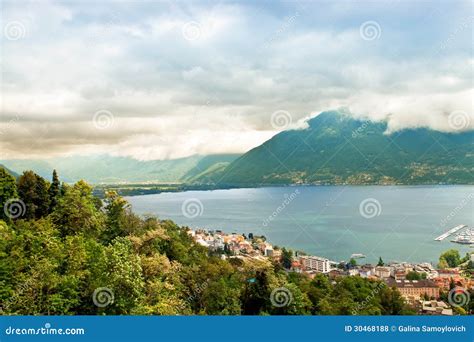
point(449, 232)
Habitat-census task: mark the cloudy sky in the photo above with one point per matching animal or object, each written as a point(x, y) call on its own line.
point(168, 79)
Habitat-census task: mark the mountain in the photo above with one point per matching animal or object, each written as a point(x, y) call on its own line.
point(337, 149)
point(109, 169)
point(14, 174)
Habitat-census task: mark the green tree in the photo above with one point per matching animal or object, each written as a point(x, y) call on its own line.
point(76, 212)
point(380, 263)
point(27, 192)
point(123, 278)
point(413, 275)
point(318, 289)
point(7, 192)
point(42, 201)
point(54, 191)
point(286, 258)
point(291, 301)
point(255, 296)
point(33, 191)
point(451, 257)
point(115, 209)
point(392, 302)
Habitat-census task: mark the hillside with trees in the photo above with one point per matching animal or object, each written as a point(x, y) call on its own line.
point(64, 251)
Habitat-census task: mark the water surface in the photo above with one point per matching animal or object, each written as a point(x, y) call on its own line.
point(397, 223)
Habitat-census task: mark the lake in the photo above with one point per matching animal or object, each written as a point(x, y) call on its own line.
point(398, 223)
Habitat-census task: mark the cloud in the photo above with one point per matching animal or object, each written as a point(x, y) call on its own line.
point(205, 78)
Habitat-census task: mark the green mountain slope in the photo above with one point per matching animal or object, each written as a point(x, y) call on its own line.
point(336, 149)
point(109, 169)
point(14, 174)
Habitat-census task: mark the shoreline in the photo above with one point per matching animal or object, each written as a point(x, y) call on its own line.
point(130, 190)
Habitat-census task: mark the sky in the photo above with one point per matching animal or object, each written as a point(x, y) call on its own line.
point(170, 79)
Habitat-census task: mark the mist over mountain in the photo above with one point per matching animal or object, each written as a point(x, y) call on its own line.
point(337, 149)
point(334, 148)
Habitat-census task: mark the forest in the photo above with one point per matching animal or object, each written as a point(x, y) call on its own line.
point(64, 251)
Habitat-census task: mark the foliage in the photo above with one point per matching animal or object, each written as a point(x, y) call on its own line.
point(413, 275)
point(7, 191)
point(380, 263)
point(451, 258)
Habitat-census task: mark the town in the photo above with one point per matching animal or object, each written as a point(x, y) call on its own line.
point(421, 284)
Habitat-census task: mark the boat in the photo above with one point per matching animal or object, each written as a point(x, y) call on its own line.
point(465, 238)
point(357, 256)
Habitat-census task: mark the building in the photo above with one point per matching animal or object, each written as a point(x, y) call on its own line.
point(366, 271)
point(415, 289)
point(452, 273)
point(268, 251)
point(382, 272)
point(399, 273)
point(314, 263)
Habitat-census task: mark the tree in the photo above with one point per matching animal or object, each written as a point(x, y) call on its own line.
point(451, 257)
point(318, 289)
point(33, 191)
point(286, 258)
point(26, 190)
point(352, 262)
point(115, 209)
point(413, 275)
point(291, 301)
point(42, 201)
point(256, 295)
point(442, 264)
point(380, 263)
point(54, 191)
point(76, 212)
point(123, 279)
point(7, 192)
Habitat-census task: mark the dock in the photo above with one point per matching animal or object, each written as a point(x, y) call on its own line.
point(449, 232)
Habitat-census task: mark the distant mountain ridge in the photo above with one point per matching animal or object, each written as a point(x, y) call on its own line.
point(338, 149)
point(110, 169)
point(334, 149)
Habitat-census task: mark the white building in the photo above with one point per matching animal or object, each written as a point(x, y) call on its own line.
point(382, 271)
point(314, 263)
point(268, 251)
